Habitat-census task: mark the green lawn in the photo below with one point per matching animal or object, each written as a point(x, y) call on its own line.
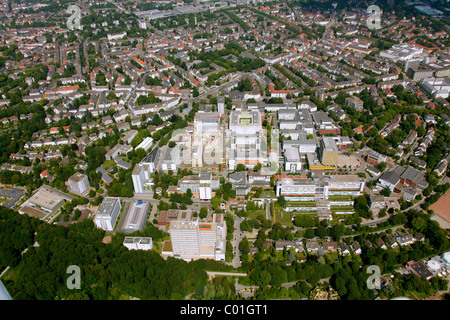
point(108, 164)
point(342, 208)
point(301, 204)
point(268, 194)
point(285, 220)
point(256, 213)
point(340, 198)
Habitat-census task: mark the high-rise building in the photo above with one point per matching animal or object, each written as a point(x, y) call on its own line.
point(328, 152)
point(107, 214)
point(142, 180)
point(79, 183)
point(245, 140)
point(199, 240)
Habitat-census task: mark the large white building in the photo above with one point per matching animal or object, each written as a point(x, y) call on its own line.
point(246, 142)
point(142, 171)
point(107, 213)
point(402, 52)
point(79, 183)
point(145, 144)
point(437, 87)
point(298, 188)
point(138, 243)
point(206, 147)
point(201, 186)
point(292, 161)
point(136, 217)
point(193, 240)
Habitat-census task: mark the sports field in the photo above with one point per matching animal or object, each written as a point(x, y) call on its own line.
point(441, 207)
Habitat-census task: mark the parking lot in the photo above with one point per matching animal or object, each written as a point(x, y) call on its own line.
point(12, 196)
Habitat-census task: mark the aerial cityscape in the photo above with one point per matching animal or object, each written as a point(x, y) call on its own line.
point(224, 150)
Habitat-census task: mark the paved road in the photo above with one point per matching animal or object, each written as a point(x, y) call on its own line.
point(268, 210)
point(237, 237)
point(212, 274)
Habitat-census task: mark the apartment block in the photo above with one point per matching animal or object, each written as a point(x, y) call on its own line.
point(107, 213)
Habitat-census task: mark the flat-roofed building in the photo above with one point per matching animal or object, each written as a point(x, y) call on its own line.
point(206, 122)
point(437, 87)
point(292, 162)
point(167, 216)
point(245, 122)
point(129, 136)
point(202, 185)
point(419, 268)
point(328, 151)
point(354, 102)
point(389, 179)
point(309, 189)
point(138, 243)
point(296, 187)
point(107, 213)
point(322, 121)
point(172, 159)
point(344, 185)
point(136, 217)
point(46, 201)
point(79, 183)
point(141, 175)
point(193, 240)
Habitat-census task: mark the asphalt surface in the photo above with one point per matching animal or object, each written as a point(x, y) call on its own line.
point(13, 195)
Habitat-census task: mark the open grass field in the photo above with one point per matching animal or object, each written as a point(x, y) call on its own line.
point(256, 213)
point(284, 218)
point(108, 164)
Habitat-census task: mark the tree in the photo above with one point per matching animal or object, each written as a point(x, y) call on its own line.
point(281, 201)
point(321, 231)
point(419, 224)
point(264, 278)
point(244, 247)
point(337, 231)
point(305, 221)
point(386, 192)
point(278, 274)
point(309, 233)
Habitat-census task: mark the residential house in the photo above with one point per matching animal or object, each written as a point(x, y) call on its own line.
point(344, 249)
point(391, 241)
point(405, 239)
point(380, 244)
point(356, 247)
point(330, 246)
